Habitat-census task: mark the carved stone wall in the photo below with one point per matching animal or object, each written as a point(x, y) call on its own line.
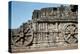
point(50, 29)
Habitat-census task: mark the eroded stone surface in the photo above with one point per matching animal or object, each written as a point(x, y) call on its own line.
point(50, 28)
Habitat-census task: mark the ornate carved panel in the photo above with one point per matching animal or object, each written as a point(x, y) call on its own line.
point(71, 33)
point(51, 28)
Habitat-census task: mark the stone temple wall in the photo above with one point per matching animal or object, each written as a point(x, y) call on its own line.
point(51, 28)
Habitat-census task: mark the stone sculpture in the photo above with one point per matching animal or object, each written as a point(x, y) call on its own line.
point(50, 28)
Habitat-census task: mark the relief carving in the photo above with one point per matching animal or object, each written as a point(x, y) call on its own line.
point(50, 28)
point(71, 32)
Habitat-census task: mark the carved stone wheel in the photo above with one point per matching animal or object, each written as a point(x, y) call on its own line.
point(23, 38)
point(71, 34)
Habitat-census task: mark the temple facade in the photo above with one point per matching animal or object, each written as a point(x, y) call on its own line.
point(51, 28)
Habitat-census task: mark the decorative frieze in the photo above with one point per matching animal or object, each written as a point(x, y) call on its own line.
point(52, 27)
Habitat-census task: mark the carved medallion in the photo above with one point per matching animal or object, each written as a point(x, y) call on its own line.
point(71, 34)
point(23, 39)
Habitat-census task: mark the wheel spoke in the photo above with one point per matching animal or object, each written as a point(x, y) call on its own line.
point(67, 32)
point(18, 40)
point(68, 37)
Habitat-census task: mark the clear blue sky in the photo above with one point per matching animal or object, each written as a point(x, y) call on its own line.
point(22, 11)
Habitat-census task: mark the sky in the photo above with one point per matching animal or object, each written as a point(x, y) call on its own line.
point(22, 11)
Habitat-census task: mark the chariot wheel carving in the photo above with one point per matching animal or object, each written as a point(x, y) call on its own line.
point(23, 38)
point(71, 34)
